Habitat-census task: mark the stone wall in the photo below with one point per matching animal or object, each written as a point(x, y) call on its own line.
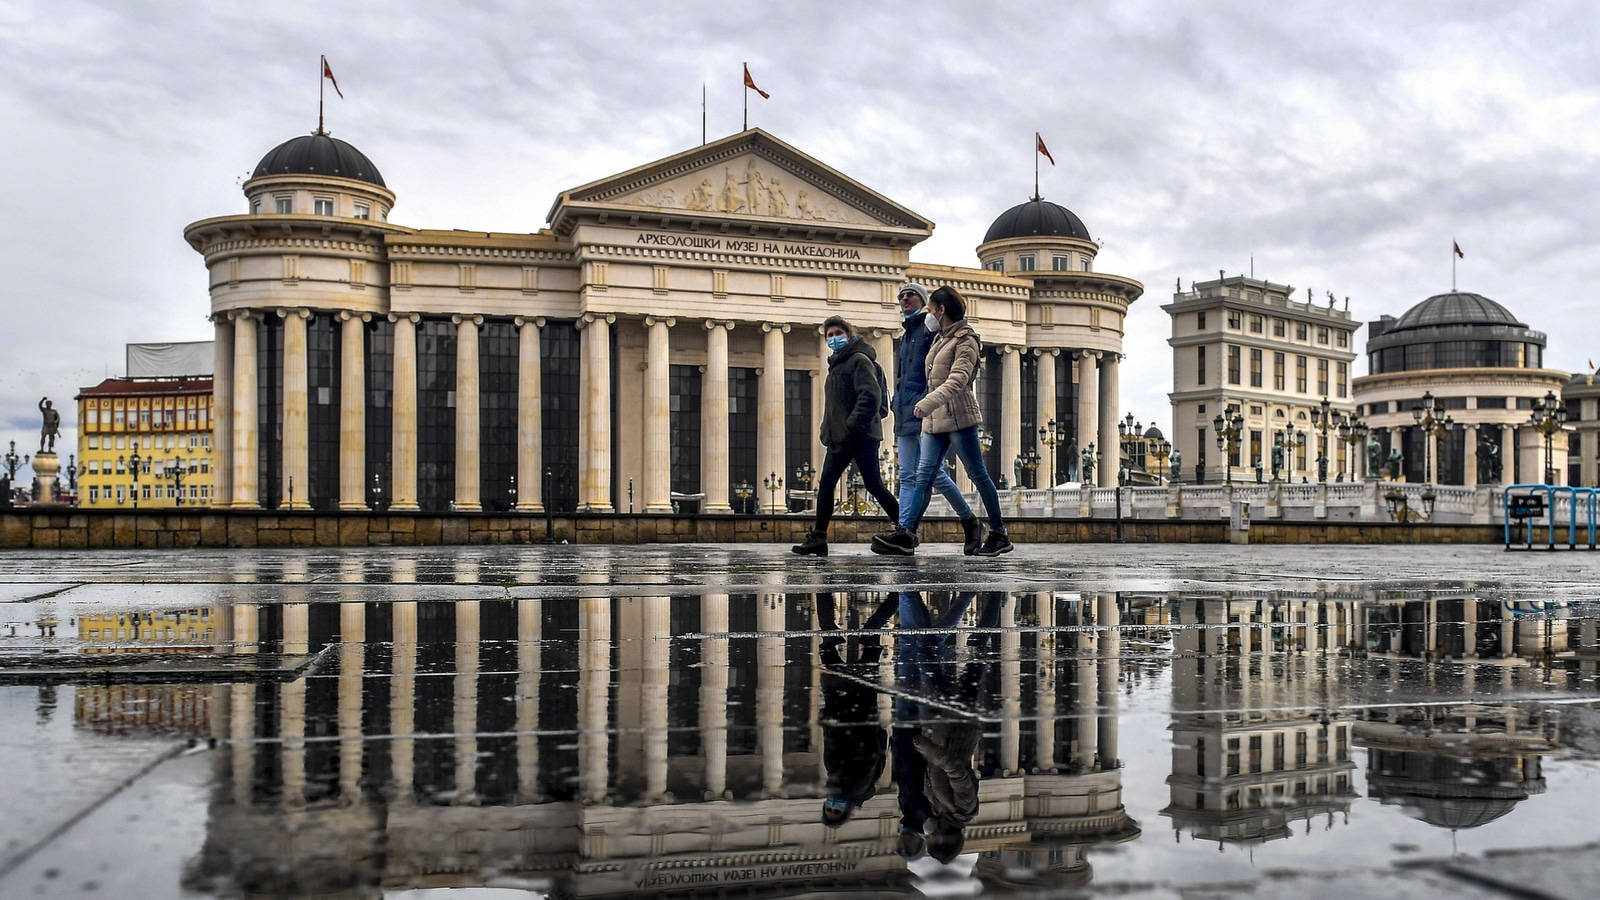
point(77, 529)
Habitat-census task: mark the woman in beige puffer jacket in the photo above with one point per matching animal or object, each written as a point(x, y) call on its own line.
point(950, 419)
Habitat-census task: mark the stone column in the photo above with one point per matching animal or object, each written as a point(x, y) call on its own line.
point(1111, 455)
point(352, 644)
point(403, 700)
point(658, 417)
point(769, 692)
point(714, 694)
point(241, 729)
point(1010, 436)
point(1107, 618)
point(655, 676)
point(1045, 412)
point(883, 347)
point(530, 427)
point(222, 413)
point(714, 419)
point(530, 631)
point(352, 411)
point(246, 465)
point(1508, 454)
point(467, 412)
point(403, 421)
point(465, 706)
point(1085, 690)
point(296, 448)
point(769, 408)
point(1088, 411)
point(1010, 641)
point(594, 698)
point(1470, 458)
point(594, 432)
point(819, 387)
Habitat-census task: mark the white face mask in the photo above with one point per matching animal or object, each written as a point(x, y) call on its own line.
point(932, 321)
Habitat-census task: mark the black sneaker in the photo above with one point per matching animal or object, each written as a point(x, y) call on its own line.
point(815, 544)
point(885, 535)
point(974, 535)
point(899, 542)
point(996, 543)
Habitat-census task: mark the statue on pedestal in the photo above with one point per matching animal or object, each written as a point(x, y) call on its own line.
point(1374, 460)
point(1277, 461)
point(1396, 458)
point(1177, 467)
point(51, 426)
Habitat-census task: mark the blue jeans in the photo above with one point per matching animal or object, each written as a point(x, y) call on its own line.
point(910, 449)
point(929, 463)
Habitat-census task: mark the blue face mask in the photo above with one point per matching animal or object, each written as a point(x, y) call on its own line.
point(837, 342)
point(909, 315)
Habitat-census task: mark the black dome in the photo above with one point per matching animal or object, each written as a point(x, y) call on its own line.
point(1456, 308)
point(1037, 218)
point(318, 154)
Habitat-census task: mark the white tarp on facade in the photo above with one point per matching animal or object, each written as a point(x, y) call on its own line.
point(170, 360)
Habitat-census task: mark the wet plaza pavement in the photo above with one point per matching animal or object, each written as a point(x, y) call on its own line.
point(1156, 720)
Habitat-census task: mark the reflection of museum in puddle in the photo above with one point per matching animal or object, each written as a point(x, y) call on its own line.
point(526, 737)
point(657, 344)
point(1256, 747)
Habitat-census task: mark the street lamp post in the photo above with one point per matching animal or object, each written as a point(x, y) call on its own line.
point(1128, 431)
point(1323, 419)
point(12, 463)
point(1030, 465)
point(1228, 424)
point(1428, 417)
point(744, 491)
point(1549, 417)
point(773, 483)
point(72, 475)
point(174, 471)
point(803, 475)
point(986, 440)
point(1053, 434)
point(134, 459)
point(377, 492)
point(1162, 451)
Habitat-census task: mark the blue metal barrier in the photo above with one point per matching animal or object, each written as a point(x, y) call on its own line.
point(1591, 502)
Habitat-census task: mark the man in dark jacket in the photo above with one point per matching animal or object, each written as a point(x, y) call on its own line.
point(851, 428)
point(853, 740)
point(911, 385)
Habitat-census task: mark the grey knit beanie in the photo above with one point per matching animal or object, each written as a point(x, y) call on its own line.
point(915, 288)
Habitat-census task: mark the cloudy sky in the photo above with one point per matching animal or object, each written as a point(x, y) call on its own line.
point(1342, 147)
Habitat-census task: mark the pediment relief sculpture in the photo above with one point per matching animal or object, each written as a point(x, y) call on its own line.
point(749, 186)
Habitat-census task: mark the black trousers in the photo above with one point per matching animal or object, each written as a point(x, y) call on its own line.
point(864, 453)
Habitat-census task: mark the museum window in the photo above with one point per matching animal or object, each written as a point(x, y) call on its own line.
point(498, 351)
point(1256, 324)
point(378, 358)
point(1030, 414)
point(989, 390)
point(269, 411)
point(742, 399)
point(1255, 446)
point(1278, 365)
point(1233, 364)
point(1299, 331)
point(1233, 319)
point(1322, 334)
point(1083, 265)
point(1343, 338)
point(1200, 320)
point(684, 384)
point(995, 265)
point(436, 414)
point(1066, 419)
point(1300, 374)
point(1061, 263)
point(1200, 365)
point(1322, 377)
point(323, 351)
point(1255, 367)
point(1025, 262)
point(798, 434)
point(1344, 379)
point(561, 367)
point(363, 211)
point(284, 205)
point(1278, 327)
point(322, 206)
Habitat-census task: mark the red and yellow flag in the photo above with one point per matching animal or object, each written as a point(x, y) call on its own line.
point(1039, 145)
point(751, 84)
point(1457, 248)
point(327, 73)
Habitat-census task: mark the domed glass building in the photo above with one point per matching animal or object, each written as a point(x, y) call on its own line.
point(1451, 386)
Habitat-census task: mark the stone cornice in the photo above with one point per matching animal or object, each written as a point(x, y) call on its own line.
point(752, 261)
point(415, 252)
point(203, 233)
point(269, 246)
point(1439, 380)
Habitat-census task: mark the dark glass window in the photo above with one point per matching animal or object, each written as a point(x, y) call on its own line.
point(685, 427)
point(380, 408)
point(269, 411)
point(498, 350)
point(1278, 374)
point(436, 414)
point(560, 367)
point(1411, 448)
point(1030, 411)
point(1322, 377)
point(1066, 415)
point(1200, 364)
point(1200, 320)
point(1255, 367)
point(798, 434)
point(989, 401)
point(743, 385)
point(1491, 403)
point(1450, 466)
point(1300, 374)
point(322, 384)
point(1233, 364)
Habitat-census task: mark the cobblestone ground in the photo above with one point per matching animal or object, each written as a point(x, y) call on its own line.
point(1152, 720)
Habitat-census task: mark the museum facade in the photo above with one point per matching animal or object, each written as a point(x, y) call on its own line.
point(655, 348)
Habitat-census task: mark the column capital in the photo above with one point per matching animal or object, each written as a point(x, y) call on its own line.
point(669, 320)
point(237, 315)
point(458, 319)
point(300, 312)
point(1006, 349)
point(775, 326)
point(1087, 354)
point(413, 318)
point(347, 315)
point(590, 318)
point(714, 324)
point(1046, 351)
point(536, 321)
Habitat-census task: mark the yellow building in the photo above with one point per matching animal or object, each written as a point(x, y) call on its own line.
point(164, 424)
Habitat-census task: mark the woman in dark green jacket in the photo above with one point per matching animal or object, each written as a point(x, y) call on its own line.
point(852, 429)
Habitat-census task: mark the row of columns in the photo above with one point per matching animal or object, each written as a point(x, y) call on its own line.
point(237, 423)
point(237, 419)
point(1469, 465)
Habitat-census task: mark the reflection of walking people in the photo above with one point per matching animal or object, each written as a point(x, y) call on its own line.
point(910, 386)
point(950, 419)
point(853, 741)
point(853, 408)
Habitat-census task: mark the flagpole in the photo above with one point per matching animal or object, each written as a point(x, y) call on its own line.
point(1036, 165)
point(1452, 264)
point(746, 91)
point(702, 113)
point(323, 66)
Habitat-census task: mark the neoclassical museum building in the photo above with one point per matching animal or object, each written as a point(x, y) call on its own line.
point(656, 347)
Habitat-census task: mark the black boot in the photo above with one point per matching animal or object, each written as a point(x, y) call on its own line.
point(974, 535)
point(899, 542)
point(815, 544)
point(996, 543)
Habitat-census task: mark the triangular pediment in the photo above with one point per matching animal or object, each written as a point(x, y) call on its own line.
point(748, 176)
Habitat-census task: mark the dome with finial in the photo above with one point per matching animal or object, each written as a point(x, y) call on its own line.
point(1037, 218)
point(318, 153)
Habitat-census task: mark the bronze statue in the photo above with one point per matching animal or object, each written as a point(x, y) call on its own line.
point(51, 426)
point(1085, 473)
point(1277, 461)
point(1395, 460)
point(1177, 466)
point(1374, 459)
